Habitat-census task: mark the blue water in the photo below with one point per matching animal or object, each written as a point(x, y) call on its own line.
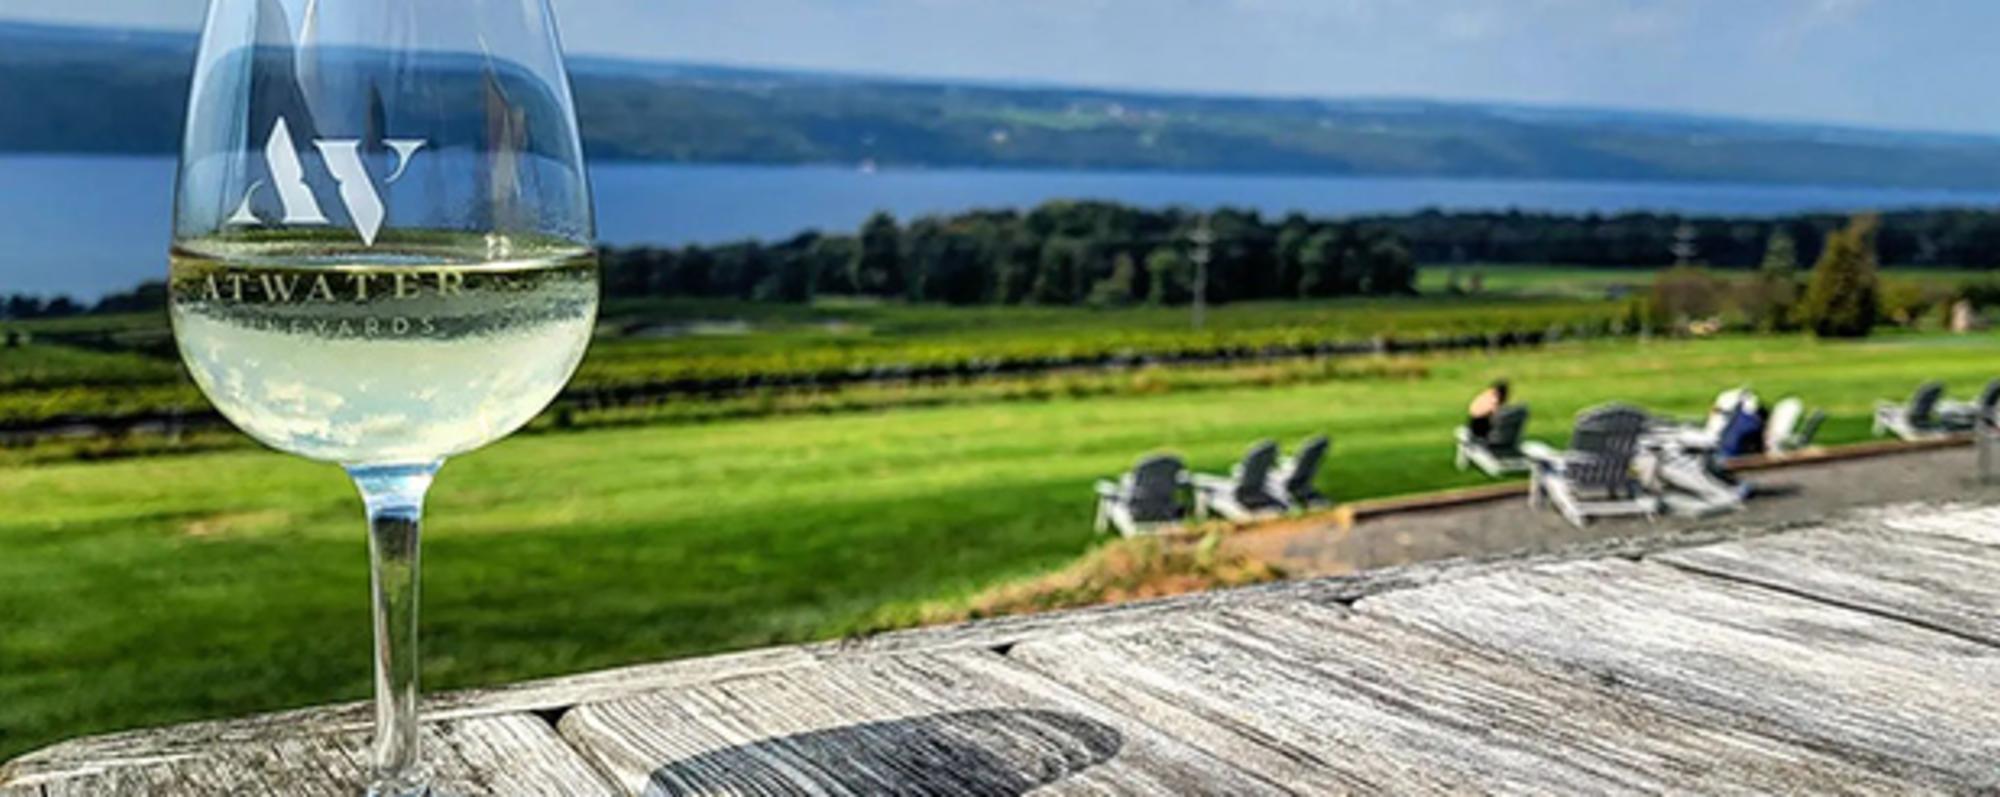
point(88, 225)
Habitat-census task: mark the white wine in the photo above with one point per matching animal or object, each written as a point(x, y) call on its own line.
point(366, 357)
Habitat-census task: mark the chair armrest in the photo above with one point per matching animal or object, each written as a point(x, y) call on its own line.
point(1546, 456)
point(1538, 450)
point(1204, 481)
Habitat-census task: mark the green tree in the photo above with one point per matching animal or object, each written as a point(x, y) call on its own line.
point(1324, 269)
point(830, 256)
point(877, 268)
point(1843, 298)
point(1166, 276)
point(1059, 280)
point(1770, 301)
point(1781, 254)
point(1389, 269)
point(1116, 288)
point(1291, 243)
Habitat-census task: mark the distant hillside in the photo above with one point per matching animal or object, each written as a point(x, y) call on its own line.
point(88, 90)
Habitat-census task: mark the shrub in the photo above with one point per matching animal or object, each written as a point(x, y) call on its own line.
point(1842, 299)
point(1685, 293)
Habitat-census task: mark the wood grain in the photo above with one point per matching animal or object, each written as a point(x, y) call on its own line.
point(1978, 524)
point(506, 755)
point(966, 722)
point(1942, 582)
point(1330, 702)
point(550, 695)
point(1872, 690)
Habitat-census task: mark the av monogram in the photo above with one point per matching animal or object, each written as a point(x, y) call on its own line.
point(343, 160)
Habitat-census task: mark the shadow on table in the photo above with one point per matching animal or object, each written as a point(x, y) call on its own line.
point(986, 752)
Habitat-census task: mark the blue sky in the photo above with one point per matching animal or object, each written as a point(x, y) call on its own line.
point(1924, 64)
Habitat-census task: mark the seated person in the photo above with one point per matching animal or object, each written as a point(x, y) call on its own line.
point(1743, 434)
point(1479, 416)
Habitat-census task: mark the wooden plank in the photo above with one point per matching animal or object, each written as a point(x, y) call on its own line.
point(548, 695)
point(1873, 690)
point(1941, 582)
point(1006, 631)
point(1327, 701)
point(965, 722)
point(515, 754)
point(1978, 524)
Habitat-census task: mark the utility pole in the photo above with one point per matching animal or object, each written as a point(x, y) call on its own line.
point(1684, 250)
point(1203, 238)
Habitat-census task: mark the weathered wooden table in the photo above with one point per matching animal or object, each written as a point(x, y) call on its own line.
point(1857, 656)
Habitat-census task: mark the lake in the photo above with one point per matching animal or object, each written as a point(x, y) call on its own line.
point(88, 225)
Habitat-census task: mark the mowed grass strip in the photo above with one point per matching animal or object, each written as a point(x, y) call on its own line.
point(157, 590)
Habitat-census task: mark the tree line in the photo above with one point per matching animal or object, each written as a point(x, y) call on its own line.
point(1941, 237)
point(1061, 253)
point(1068, 253)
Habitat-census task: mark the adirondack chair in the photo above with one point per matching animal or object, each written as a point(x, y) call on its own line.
point(1915, 420)
point(1962, 415)
point(1594, 477)
point(1499, 452)
point(1245, 494)
point(1144, 500)
point(1727, 404)
point(1292, 480)
point(1791, 429)
point(1784, 420)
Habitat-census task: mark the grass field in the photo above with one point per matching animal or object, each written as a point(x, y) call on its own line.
point(1579, 282)
point(159, 589)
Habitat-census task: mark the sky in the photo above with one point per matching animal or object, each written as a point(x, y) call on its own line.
point(1905, 64)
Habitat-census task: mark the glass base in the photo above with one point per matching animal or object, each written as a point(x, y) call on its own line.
point(415, 783)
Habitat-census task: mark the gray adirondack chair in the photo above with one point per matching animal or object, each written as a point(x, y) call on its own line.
point(1790, 429)
point(1499, 452)
point(1594, 476)
point(1292, 480)
point(1245, 494)
point(1963, 415)
point(1145, 500)
point(1914, 420)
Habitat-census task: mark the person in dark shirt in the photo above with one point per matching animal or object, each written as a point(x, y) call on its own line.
point(1479, 416)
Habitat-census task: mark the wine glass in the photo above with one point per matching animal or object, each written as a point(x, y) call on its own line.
point(382, 257)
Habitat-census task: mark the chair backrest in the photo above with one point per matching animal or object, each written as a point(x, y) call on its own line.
point(1807, 430)
point(1725, 409)
point(1784, 423)
point(1305, 465)
point(1606, 437)
point(1508, 426)
point(1923, 404)
point(1155, 485)
point(1255, 469)
point(1989, 397)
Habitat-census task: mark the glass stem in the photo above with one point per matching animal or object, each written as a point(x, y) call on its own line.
point(394, 495)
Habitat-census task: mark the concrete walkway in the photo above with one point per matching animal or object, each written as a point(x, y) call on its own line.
point(1792, 494)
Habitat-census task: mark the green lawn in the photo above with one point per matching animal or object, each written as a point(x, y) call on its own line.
point(154, 590)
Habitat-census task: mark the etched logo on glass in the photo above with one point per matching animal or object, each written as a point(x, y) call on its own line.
point(343, 159)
